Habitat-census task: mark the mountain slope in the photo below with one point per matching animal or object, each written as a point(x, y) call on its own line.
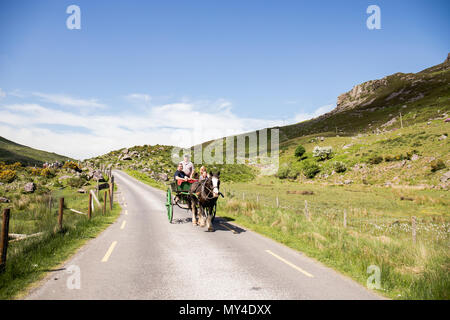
point(12, 152)
point(369, 105)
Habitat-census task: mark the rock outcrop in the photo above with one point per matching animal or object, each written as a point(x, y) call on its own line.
point(29, 187)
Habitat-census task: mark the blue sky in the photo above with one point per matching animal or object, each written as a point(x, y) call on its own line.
point(148, 71)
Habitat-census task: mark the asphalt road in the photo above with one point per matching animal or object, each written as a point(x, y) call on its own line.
point(142, 256)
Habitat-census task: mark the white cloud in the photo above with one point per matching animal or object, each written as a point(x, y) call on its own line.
point(65, 100)
point(180, 124)
point(139, 97)
point(319, 111)
point(2, 93)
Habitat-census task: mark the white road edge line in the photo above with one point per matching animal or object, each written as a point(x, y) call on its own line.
point(123, 224)
point(290, 264)
point(110, 250)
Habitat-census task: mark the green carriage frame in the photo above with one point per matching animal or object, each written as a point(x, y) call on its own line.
point(182, 195)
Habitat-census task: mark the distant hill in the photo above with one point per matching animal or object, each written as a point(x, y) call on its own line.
point(11, 152)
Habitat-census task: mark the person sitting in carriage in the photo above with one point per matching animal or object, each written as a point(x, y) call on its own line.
point(188, 166)
point(179, 174)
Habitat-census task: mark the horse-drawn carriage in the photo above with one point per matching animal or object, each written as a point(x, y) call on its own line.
point(179, 194)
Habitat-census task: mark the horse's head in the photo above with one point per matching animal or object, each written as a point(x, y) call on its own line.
point(215, 180)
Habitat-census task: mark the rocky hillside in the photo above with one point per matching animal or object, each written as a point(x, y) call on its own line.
point(377, 104)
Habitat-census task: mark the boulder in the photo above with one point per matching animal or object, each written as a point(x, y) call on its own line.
point(445, 177)
point(126, 157)
point(348, 181)
point(414, 157)
point(443, 137)
point(347, 146)
point(163, 177)
point(81, 191)
point(4, 200)
point(30, 187)
point(98, 175)
point(103, 186)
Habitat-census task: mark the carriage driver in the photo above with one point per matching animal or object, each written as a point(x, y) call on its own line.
point(188, 167)
point(179, 174)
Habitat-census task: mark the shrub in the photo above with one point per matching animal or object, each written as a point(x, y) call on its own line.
point(322, 153)
point(46, 172)
point(76, 182)
point(375, 159)
point(7, 175)
point(339, 166)
point(437, 165)
point(286, 171)
point(13, 166)
point(310, 169)
point(72, 165)
point(388, 158)
point(299, 151)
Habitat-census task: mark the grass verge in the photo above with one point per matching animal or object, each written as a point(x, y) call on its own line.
point(29, 260)
point(408, 271)
point(146, 179)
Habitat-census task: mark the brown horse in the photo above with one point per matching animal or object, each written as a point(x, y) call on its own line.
point(205, 198)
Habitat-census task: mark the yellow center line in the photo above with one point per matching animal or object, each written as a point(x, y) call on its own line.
point(110, 250)
point(126, 212)
point(290, 264)
point(123, 224)
point(223, 225)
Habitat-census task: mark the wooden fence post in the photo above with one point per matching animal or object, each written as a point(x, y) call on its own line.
point(104, 202)
point(278, 203)
point(110, 199)
point(90, 206)
point(112, 191)
point(345, 218)
point(306, 211)
point(413, 227)
point(60, 214)
point(4, 239)
point(50, 203)
point(257, 198)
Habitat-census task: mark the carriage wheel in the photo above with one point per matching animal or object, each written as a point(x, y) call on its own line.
point(169, 205)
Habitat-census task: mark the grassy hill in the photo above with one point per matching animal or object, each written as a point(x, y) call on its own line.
point(11, 152)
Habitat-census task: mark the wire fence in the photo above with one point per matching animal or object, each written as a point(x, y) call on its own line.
point(361, 220)
point(36, 217)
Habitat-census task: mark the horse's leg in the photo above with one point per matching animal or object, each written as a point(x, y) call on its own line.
point(208, 219)
point(194, 212)
point(201, 216)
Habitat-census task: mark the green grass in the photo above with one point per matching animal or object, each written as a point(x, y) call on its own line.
point(29, 260)
point(146, 179)
point(421, 139)
point(36, 213)
point(13, 152)
point(378, 230)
